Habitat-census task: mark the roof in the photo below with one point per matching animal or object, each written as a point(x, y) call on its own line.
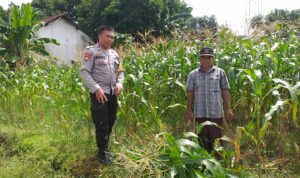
point(50, 19)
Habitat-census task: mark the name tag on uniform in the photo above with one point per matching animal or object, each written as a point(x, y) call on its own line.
point(102, 61)
point(100, 56)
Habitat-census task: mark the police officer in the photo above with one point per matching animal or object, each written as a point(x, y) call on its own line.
point(103, 75)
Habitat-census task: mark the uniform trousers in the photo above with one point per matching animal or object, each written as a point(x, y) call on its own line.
point(104, 116)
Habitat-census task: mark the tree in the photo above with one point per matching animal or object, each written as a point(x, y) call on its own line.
point(89, 16)
point(277, 15)
point(257, 21)
point(53, 7)
point(17, 36)
point(127, 16)
point(205, 22)
point(173, 14)
point(3, 14)
point(131, 16)
point(279, 21)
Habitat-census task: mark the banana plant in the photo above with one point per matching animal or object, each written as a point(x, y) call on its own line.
point(18, 37)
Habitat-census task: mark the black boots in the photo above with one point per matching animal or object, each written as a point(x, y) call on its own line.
point(105, 157)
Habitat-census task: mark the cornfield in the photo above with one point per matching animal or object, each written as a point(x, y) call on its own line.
point(46, 129)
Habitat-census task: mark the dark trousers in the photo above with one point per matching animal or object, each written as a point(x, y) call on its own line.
point(209, 133)
point(104, 116)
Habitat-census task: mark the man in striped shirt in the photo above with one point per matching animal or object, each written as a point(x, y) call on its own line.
point(207, 93)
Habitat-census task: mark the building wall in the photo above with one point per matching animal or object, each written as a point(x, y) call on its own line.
point(72, 41)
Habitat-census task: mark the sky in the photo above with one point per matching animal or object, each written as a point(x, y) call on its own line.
point(4, 3)
point(232, 13)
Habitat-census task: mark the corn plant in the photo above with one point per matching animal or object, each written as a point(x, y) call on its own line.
point(188, 159)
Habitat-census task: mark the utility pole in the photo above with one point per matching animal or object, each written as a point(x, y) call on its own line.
point(252, 8)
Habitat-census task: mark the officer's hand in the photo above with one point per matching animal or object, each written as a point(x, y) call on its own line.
point(118, 89)
point(229, 114)
point(189, 115)
point(100, 96)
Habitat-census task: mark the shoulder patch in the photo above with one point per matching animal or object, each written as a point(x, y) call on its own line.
point(88, 55)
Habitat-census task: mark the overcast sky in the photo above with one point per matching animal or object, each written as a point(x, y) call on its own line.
point(234, 12)
point(230, 12)
point(4, 3)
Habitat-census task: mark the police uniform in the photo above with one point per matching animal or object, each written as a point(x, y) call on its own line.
point(102, 68)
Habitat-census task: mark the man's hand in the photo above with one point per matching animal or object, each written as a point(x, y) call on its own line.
point(189, 115)
point(118, 89)
point(100, 96)
point(229, 114)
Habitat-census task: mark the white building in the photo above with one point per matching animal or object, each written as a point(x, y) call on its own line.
point(72, 41)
